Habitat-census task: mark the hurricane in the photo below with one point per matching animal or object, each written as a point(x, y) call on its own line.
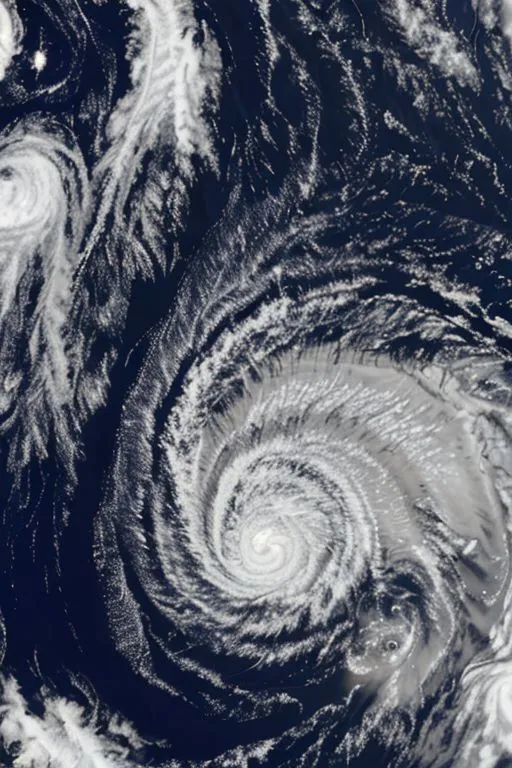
point(256, 397)
point(321, 503)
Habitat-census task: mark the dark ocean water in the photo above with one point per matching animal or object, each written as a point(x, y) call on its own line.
point(255, 335)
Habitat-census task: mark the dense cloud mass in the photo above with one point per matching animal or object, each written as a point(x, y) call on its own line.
point(255, 408)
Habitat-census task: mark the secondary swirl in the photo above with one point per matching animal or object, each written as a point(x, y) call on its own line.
point(43, 201)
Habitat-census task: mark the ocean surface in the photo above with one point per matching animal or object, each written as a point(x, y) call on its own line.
point(256, 380)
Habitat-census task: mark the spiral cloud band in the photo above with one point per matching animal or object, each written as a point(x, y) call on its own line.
point(255, 406)
point(303, 499)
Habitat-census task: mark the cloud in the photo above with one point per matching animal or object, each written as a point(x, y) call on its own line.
point(10, 35)
point(439, 46)
point(61, 737)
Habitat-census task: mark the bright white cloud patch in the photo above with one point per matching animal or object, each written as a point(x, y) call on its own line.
point(433, 42)
point(10, 33)
point(175, 75)
point(492, 13)
point(171, 73)
point(60, 738)
point(507, 18)
point(39, 61)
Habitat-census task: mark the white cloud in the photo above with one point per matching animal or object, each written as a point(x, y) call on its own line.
point(506, 15)
point(10, 34)
point(60, 738)
point(439, 46)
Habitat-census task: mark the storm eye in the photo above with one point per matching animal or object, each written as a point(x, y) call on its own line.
point(390, 645)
